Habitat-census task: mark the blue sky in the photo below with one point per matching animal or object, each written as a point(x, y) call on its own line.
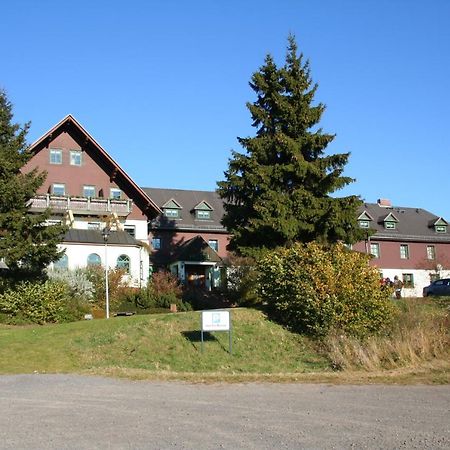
point(162, 85)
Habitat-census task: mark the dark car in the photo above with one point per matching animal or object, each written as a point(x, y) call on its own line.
point(438, 287)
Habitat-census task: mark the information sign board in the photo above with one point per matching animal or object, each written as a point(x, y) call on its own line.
point(215, 320)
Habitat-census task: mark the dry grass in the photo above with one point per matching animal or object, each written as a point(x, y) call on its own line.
point(421, 334)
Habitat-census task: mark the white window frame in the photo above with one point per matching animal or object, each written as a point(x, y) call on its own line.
point(73, 154)
point(94, 226)
point(130, 229)
point(404, 251)
point(172, 213)
point(364, 224)
point(113, 192)
point(431, 252)
point(203, 212)
point(214, 244)
point(54, 152)
point(59, 185)
point(88, 186)
point(376, 253)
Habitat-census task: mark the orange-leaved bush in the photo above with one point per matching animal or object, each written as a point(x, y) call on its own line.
point(314, 289)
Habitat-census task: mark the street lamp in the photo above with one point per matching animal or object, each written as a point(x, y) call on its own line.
point(105, 233)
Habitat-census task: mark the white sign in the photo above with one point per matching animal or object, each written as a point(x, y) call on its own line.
point(215, 320)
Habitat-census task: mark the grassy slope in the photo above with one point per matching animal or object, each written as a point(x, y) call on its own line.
point(167, 346)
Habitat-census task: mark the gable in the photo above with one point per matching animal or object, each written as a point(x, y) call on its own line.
point(97, 169)
point(171, 204)
point(203, 206)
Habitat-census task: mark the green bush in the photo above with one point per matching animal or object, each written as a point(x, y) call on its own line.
point(48, 302)
point(316, 289)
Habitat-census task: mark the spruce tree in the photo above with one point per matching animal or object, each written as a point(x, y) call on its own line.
point(279, 191)
point(27, 244)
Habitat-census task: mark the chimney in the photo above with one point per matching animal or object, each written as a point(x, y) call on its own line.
point(384, 203)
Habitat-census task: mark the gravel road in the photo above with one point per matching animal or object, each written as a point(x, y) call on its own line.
point(61, 412)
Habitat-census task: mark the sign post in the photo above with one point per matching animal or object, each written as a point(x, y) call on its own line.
point(216, 320)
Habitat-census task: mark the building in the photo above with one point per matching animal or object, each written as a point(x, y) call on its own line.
point(188, 235)
point(152, 228)
point(87, 190)
point(410, 243)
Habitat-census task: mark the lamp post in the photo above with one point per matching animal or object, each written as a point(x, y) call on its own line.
point(105, 233)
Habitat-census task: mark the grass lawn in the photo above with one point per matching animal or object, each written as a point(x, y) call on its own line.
point(167, 346)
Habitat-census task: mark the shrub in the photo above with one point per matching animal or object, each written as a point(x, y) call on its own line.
point(314, 289)
point(77, 282)
point(48, 302)
point(117, 286)
point(242, 281)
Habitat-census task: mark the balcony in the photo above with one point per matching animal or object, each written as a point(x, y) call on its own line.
point(81, 205)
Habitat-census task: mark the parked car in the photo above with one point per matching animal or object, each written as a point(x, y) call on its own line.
point(438, 287)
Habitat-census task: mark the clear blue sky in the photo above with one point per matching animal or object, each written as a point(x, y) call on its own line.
point(162, 85)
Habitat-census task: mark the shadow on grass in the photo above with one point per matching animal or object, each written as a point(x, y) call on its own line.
point(195, 337)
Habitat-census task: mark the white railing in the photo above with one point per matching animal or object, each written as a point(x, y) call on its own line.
point(81, 204)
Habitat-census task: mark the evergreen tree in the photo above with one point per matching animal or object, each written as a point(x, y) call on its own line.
point(279, 191)
point(27, 245)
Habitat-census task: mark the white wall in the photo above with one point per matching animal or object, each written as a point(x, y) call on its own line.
point(139, 259)
point(421, 279)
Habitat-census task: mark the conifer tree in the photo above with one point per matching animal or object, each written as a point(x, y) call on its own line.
point(278, 192)
point(27, 245)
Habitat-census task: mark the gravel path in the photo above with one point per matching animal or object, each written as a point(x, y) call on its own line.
point(60, 411)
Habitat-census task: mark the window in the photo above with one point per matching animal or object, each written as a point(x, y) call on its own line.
point(363, 223)
point(55, 156)
point(441, 228)
point(88, 191)
point(62, 263)
point(375, 250)
point(404, 251)
point(202, 214)
point(156, 243)
point(93, 226)
point(123, 262)
point(389, 225)
point(75, 158)
point(408, 280)
point(172, 213)
point(116, 193)
point(214, 244)
point(431, 252)
point(58, 189)
point(94, 260)
point(130, 229)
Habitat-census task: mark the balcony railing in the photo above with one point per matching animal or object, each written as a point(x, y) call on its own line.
point(81, 205)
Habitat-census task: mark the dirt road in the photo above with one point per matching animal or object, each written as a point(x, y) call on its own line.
point(59, 411)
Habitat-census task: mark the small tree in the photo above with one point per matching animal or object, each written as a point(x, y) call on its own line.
point(280, 191)
point(314, 289)
point(27, 244)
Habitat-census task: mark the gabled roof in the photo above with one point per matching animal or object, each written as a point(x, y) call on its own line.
point(172, 204)
point(390, 218)
point(365, 216)
point(203, 206)
point(440, 221)
point(413, 224)
point(188, 200)
point(70, 125)
point(196, 250)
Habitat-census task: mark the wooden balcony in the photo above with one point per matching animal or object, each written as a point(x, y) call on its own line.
point(81, 205)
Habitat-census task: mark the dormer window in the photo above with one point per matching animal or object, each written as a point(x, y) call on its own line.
point(364, 220)
point(390, 222)
point(172, 213)
point(172, 209)
point(203, 215)
point(364, 223)
point(440, 225)
point(203, 211)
